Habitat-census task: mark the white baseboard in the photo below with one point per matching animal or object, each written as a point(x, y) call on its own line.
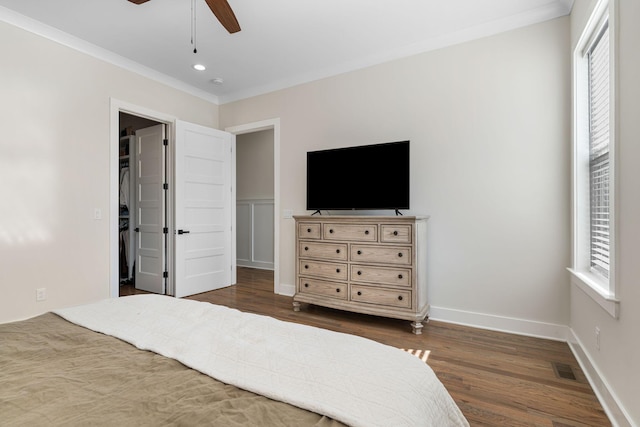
point(258, 265)
point(511, 325)
point(286, 289)
point(616, 413)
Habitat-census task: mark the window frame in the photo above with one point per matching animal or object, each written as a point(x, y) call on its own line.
point(600, 289)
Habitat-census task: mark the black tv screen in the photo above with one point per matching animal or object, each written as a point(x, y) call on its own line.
point(367, 177)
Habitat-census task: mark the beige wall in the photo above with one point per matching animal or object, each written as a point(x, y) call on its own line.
point(254, 165)
point(54, 167)
point(618, 360)
point(489, 127)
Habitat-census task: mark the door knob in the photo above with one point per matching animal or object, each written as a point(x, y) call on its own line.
point(183, 232)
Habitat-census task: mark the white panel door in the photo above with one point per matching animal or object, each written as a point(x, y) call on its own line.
point(150, 209)
point(203, 200)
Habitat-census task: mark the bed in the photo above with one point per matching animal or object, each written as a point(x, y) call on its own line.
point(150, 360)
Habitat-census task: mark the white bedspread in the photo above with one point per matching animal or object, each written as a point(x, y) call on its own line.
point(348, 378)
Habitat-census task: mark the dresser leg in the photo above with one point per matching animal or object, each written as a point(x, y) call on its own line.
point(296, 306)
point(417, 327)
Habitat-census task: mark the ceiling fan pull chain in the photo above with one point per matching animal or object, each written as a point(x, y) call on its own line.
point(193, 26)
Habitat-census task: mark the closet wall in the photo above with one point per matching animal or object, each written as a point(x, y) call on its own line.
point(255, 200)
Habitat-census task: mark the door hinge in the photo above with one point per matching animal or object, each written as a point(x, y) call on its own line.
point(165, 274)
point(165, 142)
point(165, 186)
point(165, 230)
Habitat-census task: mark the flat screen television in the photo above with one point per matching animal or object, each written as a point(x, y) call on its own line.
point(367, 177)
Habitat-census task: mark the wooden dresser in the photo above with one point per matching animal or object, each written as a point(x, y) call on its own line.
point(366, 264)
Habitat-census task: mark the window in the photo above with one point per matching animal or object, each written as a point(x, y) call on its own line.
point(593, 268)
point(598, 99)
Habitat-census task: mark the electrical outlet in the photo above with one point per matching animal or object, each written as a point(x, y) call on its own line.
point(597, 338)
point(97, 213)
point(287, 214)
point(41, 294)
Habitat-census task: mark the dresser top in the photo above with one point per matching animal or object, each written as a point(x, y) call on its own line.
point(361, 218)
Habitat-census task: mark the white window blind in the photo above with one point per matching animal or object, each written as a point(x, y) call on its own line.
point(598, 63)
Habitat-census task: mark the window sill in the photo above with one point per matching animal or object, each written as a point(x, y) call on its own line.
point(590, 285)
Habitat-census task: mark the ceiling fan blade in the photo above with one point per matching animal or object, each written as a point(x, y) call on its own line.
point(225, 15)
point(138, 1)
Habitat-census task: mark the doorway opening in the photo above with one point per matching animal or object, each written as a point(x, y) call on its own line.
point(134, 117)
point(261, 213)
point(254, 200)
point(140, 264)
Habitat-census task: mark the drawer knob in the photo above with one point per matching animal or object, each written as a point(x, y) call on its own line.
point(399, 297)
point(359, 252)
point(395, 233)
point(338, 290)
point(400, 254)
point(306, 267)
point(331, 230)
point(366, 231)
point(308, 230)
point(337, 251)
point(306, 285)
point(306, 248)
point(359, 293)
point(399, 276)
point(359, 273)
point(337, 270)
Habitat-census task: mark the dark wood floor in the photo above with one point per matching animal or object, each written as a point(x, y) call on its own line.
point(497, 379)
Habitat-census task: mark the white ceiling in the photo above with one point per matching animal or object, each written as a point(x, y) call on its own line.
point(282, 42)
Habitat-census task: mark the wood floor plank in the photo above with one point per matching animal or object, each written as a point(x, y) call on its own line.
point(497, 379)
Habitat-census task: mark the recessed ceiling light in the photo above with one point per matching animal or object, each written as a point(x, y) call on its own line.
point(199, 67)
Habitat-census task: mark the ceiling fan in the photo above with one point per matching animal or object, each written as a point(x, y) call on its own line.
point(220, 9)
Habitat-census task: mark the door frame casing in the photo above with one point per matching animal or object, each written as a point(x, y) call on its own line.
point(251, 128)
point(116, 107)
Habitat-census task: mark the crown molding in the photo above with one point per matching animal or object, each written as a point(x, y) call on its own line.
point(547, 12)
point(65, 39)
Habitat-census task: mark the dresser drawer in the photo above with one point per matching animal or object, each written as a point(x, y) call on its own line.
point(388, 297)
point(329, 251)
point(381, 275)
point(351, 232)
point(325, 270)
point(400, 255)
point(308, 230)
point(390, 233)
point(319, 287)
